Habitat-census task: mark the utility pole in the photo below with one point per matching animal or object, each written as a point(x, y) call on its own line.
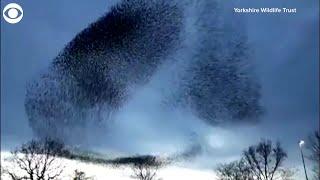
point(301, 143)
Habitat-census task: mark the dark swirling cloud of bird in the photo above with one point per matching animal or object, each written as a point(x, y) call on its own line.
point(98, 71)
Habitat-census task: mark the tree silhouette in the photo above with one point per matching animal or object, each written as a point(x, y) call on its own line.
point(265, 159)
point(236, 170)
point(80, 175)
point(146, 170)
point(37, 160)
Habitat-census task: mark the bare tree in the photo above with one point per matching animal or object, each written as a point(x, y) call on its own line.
point(80, 175)
point(36, 160)
point(146, 170)
point(314, 149)
point(236, 170)
point(265, 159)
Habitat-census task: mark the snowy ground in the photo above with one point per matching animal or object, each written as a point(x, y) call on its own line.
point(99, 172)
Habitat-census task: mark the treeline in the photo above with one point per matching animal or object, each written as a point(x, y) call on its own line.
point(39, 160)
